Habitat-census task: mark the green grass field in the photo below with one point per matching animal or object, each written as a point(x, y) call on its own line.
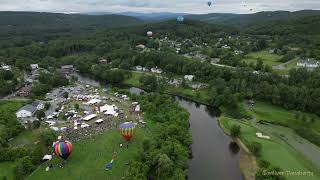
point(265, 56)
point(275, 114)
point(89, 157)
point(273, 151)
point(7, 170)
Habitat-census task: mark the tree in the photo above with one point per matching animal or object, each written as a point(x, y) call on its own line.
point(23, 167)
point(76, 106)
point(47, 106)
point(41, 114)
point(47, 137)
point(66, 95)
point(235, 131)
point(36, 124)
point(164, 166)
point(255, 148)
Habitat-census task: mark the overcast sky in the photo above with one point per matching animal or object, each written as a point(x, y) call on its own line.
point(147, 6)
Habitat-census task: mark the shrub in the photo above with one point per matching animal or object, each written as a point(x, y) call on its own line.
point(255, 148)
point(235, 131)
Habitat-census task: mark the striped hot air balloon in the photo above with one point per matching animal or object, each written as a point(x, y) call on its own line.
point(126, 130)
point(63, 149)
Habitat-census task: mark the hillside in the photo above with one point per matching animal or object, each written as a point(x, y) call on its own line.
point(247, 19)
point(13, 24)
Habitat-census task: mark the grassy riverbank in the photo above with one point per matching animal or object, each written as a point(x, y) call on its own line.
point(275, 151)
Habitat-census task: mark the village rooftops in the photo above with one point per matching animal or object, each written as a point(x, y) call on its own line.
point(308, 61)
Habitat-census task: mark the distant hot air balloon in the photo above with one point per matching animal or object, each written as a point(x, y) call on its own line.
point(149, 33)
point(63, 149)
point(209, 3)
point(126, 130)
point(180, 18)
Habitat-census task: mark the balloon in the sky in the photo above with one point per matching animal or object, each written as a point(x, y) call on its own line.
point(126, 130)
point(180, 18)
point(209, 3)
point(63, 149)
point(149, 33)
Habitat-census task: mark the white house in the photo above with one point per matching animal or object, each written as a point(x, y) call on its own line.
point(189, 77)
point(6, 67)
point(39, 105)
point(309, 63)
point(34, 66)
point(156, 70)
point(26, 111)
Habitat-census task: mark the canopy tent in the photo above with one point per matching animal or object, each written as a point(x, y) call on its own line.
point(89, 117)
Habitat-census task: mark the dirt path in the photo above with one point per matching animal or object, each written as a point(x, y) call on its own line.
point(247, 162)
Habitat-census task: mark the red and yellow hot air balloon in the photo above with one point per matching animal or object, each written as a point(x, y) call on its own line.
point(63, 149)
point(126, 130)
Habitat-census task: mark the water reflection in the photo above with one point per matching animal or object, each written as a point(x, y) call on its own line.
point(234, 148)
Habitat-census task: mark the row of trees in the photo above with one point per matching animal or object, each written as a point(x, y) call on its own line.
point(165, 154)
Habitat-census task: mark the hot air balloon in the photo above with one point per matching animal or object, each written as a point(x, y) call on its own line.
point(63, 149)
point(209, 3)
point(180, 18)
point(126, 130)
point(149, 33)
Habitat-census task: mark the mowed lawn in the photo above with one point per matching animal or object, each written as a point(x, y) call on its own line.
point(273, 151)
point(6, 170)
point(90, 156)
point(265, 56)
point(275, 114)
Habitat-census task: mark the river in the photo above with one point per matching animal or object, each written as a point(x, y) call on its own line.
point(214, 154)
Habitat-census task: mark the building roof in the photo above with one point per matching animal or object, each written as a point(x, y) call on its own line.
point(36, 103)
point(29, 108)
point(67, 67)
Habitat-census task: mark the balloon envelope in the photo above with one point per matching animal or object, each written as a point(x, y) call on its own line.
point(180, 18)
point(149, 33)
point(63, 149)
point(209, 3)
point(126, 130)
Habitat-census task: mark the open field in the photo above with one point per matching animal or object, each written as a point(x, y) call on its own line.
point(273, 151)
point(91, 155)
point(265, 56)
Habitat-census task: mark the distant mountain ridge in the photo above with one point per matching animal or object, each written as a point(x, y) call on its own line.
point(247, 19)
point(52, 19)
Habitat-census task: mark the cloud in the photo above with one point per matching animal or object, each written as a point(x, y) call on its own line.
point(147, 6)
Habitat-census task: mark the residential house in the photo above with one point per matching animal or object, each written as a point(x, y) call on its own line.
point(308, 63)
point(26, 111)
point(103, 61)
point(24, 92)
point(67, 69)
point(189, 77)
point(34, 66)
point(156, 70)
point(5, 67)
point(141, 46)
